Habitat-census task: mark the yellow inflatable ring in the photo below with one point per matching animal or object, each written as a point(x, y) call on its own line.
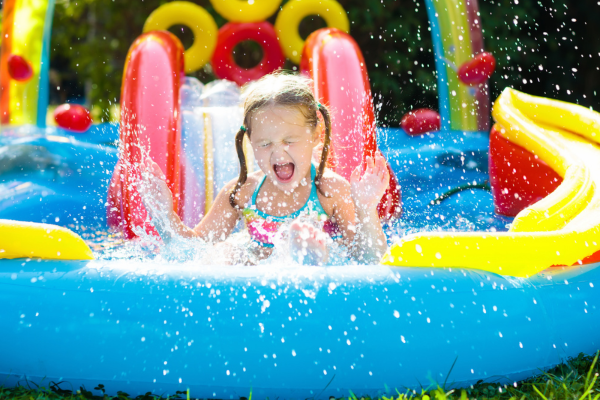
point(295, 11)
point(33, 240)
point(198, 20)
point(246, 11)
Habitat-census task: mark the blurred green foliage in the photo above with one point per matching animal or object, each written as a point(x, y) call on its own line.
point(548, 48)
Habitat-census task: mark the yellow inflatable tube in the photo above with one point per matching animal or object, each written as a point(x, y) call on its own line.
point(560, 114)
point(294, 11)
point(562, 229)
point(513, 254)
point(194, 17)
point(32, 240)
point(246, 11)
point(562, 205)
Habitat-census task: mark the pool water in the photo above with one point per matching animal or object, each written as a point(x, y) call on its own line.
point(53, 176)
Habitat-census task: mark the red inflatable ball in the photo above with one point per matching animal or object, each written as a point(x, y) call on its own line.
point(420, 121)
point(233, 33)
point(19, 68)
point(478, 70)
point(73, 117)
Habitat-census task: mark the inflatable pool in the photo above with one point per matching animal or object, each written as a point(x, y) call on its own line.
point(140, 325)
point(492, 271)
point(223, 332)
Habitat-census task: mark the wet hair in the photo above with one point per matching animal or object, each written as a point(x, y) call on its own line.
point(284, 90)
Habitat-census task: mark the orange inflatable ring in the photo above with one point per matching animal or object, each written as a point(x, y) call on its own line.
point(233, 33)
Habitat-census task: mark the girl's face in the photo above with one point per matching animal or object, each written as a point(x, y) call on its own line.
point(283, 145)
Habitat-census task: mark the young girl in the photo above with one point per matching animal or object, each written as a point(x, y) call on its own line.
point(281, 121)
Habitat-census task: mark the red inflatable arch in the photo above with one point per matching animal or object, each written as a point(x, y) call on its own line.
point(149, 118)
point(335, 63)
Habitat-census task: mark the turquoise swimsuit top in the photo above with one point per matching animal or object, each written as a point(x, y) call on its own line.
point(263, 227)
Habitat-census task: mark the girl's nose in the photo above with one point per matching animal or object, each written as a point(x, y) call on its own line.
point(280, 151)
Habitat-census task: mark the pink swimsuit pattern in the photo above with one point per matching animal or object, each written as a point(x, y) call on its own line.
point(263, 227)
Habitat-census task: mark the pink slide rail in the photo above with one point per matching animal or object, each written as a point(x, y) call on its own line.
point(336, 65)
point(151, 122)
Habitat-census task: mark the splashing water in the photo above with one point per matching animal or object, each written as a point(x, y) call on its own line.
point(66, 179)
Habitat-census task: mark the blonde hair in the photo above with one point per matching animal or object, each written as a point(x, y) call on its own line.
point(285, 90)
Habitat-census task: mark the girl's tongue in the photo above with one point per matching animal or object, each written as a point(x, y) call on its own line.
point(284, 172)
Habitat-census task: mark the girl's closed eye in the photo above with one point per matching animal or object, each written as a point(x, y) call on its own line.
point(291, 140)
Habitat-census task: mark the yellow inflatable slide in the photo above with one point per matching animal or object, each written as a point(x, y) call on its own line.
point(561, 229)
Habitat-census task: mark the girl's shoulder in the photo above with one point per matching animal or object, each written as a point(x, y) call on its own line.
point(253, 180)
point(244, 194)
point(334, 193)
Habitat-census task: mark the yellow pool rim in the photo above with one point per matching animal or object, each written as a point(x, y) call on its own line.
point(34, 240)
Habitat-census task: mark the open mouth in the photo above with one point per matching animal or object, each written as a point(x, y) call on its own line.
point(284, 172)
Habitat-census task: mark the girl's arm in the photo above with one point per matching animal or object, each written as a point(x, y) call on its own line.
point(221, 219)
point(367, 191)
point(158, 200)
point(355, 209)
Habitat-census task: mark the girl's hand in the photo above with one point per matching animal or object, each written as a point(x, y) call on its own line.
point(368, 190)
point(308, 244)
point(154, 191)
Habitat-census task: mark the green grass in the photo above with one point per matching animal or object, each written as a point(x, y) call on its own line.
point(576, 379)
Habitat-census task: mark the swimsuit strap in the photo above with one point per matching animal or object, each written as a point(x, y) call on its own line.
point(255, 194)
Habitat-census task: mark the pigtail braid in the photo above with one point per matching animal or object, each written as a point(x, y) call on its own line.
point(239, 146)
point(326, 143)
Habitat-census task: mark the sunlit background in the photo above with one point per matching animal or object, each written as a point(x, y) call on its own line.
point(545, 48)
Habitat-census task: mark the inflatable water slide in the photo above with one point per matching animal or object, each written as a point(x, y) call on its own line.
point(143, 127)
